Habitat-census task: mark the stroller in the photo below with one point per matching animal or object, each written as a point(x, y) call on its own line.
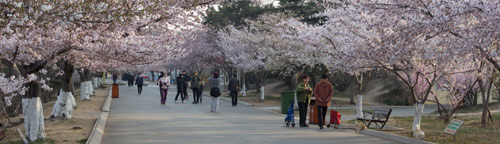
point(290, 116)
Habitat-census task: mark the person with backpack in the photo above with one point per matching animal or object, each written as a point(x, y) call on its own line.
point(164, 83)
point(195, 84)
point(234, 87)
point(304, 93)
point(323, 91)
point(139, 81)
point(213, 83)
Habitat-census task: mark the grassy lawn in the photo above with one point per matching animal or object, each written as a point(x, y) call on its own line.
point(478, 108)
point(433, 127)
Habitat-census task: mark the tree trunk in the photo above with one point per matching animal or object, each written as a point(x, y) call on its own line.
point(293, 80)
point(262, 93)
point(90, 87)
point(243, 83)
point(33, 112)
point(65, 101)
point(359, 106)
point(257, 81)
point(351, 98)
point(153, 76)
point(486, 100)
point(84, 93)
point(417, 117)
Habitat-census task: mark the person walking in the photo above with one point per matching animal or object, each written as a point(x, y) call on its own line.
point(195, 85)
point(214, 92)
point(186, 79)
point(139, 81)
point(164, 83)
point(131, 79)
point(304, 93)
point(234, 87)
point(115, 78)
point(180, 88)
point(323, 91)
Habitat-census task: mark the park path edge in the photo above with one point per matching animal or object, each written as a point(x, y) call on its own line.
point(97, 132)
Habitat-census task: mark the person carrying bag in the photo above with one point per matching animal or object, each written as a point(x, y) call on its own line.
point(214, 92)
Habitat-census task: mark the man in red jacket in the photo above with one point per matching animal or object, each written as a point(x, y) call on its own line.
point(323, 91)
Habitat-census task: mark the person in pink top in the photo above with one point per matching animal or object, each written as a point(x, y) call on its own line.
point(164, 83)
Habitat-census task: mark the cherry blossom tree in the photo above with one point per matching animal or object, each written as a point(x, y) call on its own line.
point(456, 87)
point(36, 34)
point(395, 36)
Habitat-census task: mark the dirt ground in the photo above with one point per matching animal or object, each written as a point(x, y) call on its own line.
point(75, 130)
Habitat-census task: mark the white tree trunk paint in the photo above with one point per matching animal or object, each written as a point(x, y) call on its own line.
point(90, 87)
point(84, 95)
point(262, 93)
point(417, 117)
point(33, 118)
point(359, 107)
point(96, 82)
point(64, 105)
point(244, 92)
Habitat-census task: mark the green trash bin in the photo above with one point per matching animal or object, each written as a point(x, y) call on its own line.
point(286, 98)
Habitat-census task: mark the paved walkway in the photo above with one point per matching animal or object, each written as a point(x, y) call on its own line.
point(140, 119)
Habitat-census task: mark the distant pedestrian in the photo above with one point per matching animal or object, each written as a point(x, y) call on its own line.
point(234, 87)
point(323, 92)
point(139, 81)
point(164, 83)
point(214, 91)
point(186, 79)
point(200, 92)
point(195, 85)
point(130, 79)
point(180, 88)
point(304, 93)
point(115, 78)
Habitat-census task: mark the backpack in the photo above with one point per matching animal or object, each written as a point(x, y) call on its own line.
point(215, 92)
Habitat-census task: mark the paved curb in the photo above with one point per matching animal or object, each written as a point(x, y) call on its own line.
point(393, 137)
point(98, 130)
point(107, 103)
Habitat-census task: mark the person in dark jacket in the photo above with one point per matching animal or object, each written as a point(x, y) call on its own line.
point(234, 87)
point(139, 81)
point(195, 85)
point(131, 79)
point(323, 91)
point(180, 88)
point(115, 78)
point(186, 79)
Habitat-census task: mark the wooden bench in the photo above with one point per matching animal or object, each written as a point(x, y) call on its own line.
point(377, 116)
